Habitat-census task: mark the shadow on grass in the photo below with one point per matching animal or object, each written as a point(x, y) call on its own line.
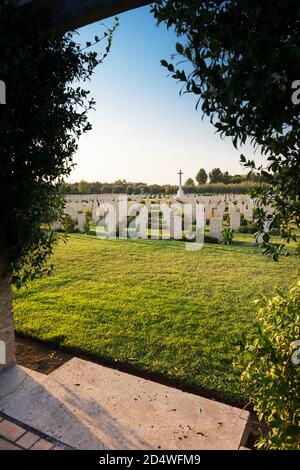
point(54, 346)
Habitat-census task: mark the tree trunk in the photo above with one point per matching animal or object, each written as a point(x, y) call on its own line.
point(7, 336)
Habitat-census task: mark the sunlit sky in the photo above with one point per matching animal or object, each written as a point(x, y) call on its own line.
point(142, 129)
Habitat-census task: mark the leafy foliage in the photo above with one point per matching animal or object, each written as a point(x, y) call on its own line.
point(68, 224)
point(190, 183)
point(40, 125)
point(87, 227)
point(87, 224)
point(201, 176)
point(272, 371)
point(242, 58)
point(227, 236)
point(216, 176)
point(243, 186)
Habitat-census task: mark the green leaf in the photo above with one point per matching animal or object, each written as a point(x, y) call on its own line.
point(179, 48)
point(164, 63)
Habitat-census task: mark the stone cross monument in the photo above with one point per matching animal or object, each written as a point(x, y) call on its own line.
point(180, 192)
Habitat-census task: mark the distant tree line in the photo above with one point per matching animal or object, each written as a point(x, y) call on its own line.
point(218, 182)
point(217, 176)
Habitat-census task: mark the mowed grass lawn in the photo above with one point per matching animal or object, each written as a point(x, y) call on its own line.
point(153, 305)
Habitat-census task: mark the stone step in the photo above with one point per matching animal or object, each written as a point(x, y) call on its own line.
point(88, 406)
point(18, 377)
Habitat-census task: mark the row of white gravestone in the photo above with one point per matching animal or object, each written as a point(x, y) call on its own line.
point(215, 207)
point(228, 199)
point(212, 210)
point(172, 227)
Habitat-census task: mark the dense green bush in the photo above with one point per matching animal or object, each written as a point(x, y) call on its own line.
point(209, 239)
point(252, 227)
point(87, 227)
point(272, 372)
point(220, 188)
point(118, 189)
point(244, 221)
point(155, 189)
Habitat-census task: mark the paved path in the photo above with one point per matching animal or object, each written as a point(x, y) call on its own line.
point(14, 436)
point(91, 407)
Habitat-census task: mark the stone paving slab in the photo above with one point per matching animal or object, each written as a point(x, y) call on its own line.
point(16, 377)
point(88, 406)
point(16, 436)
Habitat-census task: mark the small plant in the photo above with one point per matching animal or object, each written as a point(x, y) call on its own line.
point(87, 227)
point(271, 369)
point(68, 224)
point(89, 216)
point(227, 236)
point(244, 221)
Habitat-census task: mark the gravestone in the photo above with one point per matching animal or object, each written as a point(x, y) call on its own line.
point(142, 223)
point(215, 228)
point(57, 225)
point(248, 213)
point(95, 215)
point(177, 221)
point(81, 221)
point(235, 220)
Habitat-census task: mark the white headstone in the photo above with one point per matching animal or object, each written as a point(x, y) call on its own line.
point(57, 225)
point(215, 228)
point(81, 221)
point(235, 220)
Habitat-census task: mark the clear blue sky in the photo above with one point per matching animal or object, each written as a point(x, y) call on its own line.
point(142, 129)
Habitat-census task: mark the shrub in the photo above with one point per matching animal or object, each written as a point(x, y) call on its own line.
point(244, 221)
point(275, 231)
point(87, 227)
point(106, 189)
point(227, 236)
point(89, 216)
point(209, 239)
point(272, 373)
point(118, 189)
point(69, 225)
point(220, 188)
point(250, 228)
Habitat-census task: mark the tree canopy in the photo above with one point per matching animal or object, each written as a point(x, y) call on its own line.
point(201, 176)
point(40, 125)
point(216, 175)
point(241, 58)
point(189, 182)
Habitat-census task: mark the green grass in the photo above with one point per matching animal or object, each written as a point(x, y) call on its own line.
point(153, 305)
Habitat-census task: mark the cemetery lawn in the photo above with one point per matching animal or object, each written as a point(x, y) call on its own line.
point(153, 306)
